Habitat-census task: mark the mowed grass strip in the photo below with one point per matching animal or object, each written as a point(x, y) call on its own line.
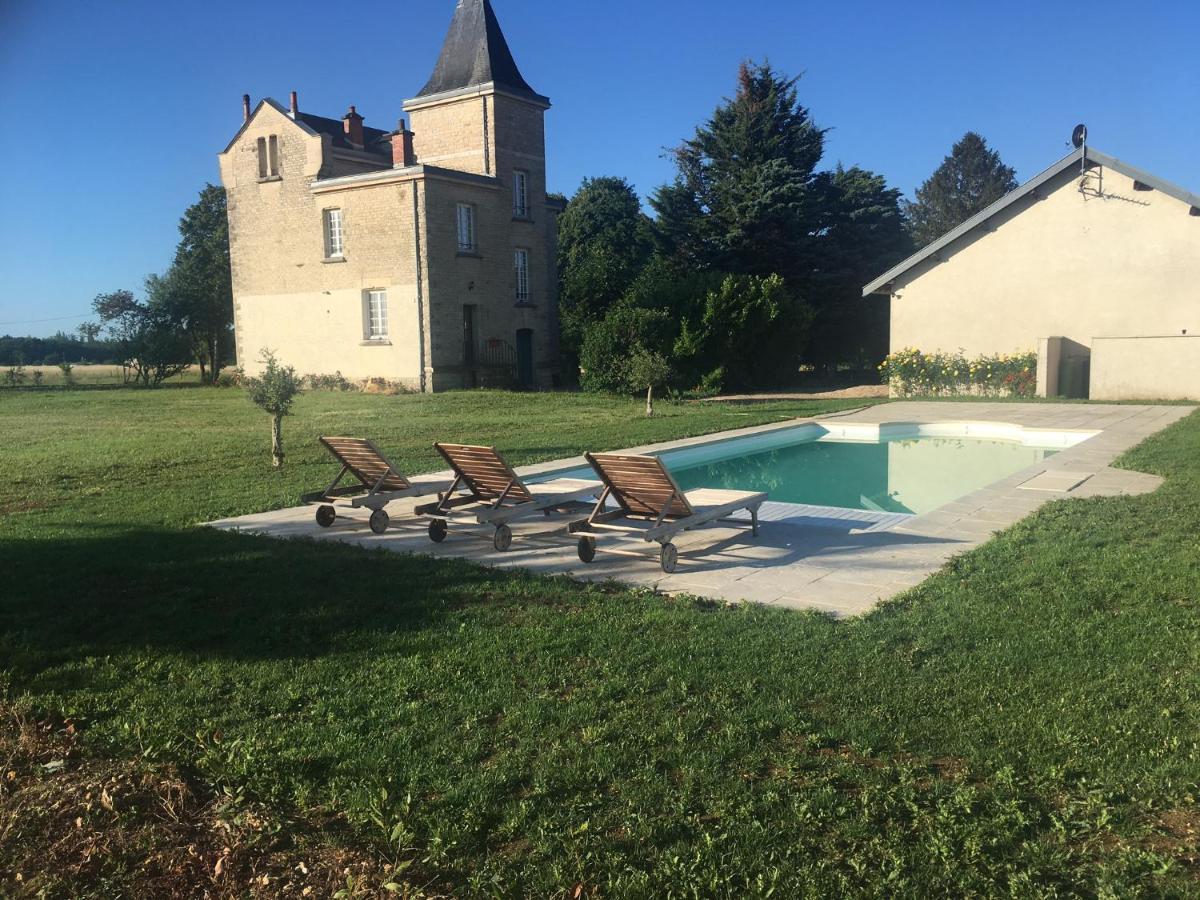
point(1024, 723)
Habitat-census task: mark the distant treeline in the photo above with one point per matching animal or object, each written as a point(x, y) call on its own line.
point(50, 351)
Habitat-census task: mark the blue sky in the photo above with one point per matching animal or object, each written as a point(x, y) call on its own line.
point(114, 111)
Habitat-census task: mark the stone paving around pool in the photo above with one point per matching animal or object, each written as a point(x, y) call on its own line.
point(822, 563)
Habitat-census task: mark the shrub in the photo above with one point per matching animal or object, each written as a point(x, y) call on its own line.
point(609, 343)
point(68, 371)
point(911, 372)
point(15, 376)
point(235, 377)
point(382, 386)
point(38, 377)
point(337, 382)
point(750, 335)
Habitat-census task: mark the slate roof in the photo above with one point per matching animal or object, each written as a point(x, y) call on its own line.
point(376, 141)
point(880, 284)
point(336, 130)
point(475, 53)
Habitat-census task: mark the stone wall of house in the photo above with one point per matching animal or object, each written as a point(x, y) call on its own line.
point(401, 235)
point(287, 296)
point(454, 134)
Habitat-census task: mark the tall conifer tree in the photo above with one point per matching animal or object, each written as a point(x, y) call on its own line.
point(971, 178)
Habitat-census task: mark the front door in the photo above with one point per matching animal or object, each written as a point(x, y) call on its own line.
point(525, 359)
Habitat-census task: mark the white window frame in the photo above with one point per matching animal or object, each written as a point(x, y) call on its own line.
point(520, 194)
point(468, 232)
point(334, 224)
point(375, 315)
point(521, 273)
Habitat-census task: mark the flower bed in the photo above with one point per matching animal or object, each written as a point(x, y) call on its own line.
point(911, 372)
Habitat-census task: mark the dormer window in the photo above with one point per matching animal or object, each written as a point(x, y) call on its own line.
point(268, 157)
point(520, 194)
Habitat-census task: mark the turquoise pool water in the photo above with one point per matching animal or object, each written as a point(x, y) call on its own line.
point(915, 475)
point(893, 468)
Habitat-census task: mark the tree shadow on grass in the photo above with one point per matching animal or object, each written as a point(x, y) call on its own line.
point(104, 590)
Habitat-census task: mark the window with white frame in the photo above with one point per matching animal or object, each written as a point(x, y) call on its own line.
point(520, 194)
point(335, 234)
point(268, 157)
point(375, 316)
point(466, 228)
point(521, 267)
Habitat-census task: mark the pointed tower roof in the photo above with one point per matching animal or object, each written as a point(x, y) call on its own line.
point(476, 53)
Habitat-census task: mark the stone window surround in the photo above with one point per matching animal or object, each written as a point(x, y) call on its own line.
point(384, 337)
point(328, 232)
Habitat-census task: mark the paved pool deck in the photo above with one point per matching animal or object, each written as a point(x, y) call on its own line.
point(819, 562)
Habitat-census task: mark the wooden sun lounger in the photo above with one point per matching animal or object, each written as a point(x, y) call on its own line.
point(488, 491)
point(379, 483)
point(645, 493)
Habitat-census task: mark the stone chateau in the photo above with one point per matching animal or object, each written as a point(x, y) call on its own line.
point(425, 255)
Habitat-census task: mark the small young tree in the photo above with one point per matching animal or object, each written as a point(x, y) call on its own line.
point(68, 371)
point(274, 392)
point(650, 370)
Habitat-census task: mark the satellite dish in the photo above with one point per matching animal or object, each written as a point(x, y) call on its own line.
point(1079, 136)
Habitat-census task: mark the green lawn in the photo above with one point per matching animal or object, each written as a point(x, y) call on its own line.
point(1025, 723)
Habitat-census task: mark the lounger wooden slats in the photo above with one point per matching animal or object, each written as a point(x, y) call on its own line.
point(484, 472)
point(366, 463)
point(379, 482)
point(646, 493)
point(488, 490)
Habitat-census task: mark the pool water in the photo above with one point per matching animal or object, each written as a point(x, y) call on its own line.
point(915, 475)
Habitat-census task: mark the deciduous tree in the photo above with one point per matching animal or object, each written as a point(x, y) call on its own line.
point(198, 288)
point(149, 342)
point(604, 240)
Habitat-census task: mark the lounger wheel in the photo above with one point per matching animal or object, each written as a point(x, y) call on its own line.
point(587, 549)
point(669, 558)
point(380, 521)
point(326, 516)
point(503, 538)
point(437, 531)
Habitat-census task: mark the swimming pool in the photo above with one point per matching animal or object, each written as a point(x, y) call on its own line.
point(899, 468)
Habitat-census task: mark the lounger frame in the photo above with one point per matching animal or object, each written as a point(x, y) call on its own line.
point(494, 494)
point(659, 520)
point(356, 455)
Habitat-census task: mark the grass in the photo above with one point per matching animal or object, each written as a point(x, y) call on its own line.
point(1024, 723)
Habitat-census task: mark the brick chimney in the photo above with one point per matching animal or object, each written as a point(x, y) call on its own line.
point(245, 107)
point(352, 122)
point(295, 105)
point(402, 147)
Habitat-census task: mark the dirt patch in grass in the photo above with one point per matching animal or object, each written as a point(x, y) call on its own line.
point(20, 506)
point(76, 826)
point(1177, 835)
